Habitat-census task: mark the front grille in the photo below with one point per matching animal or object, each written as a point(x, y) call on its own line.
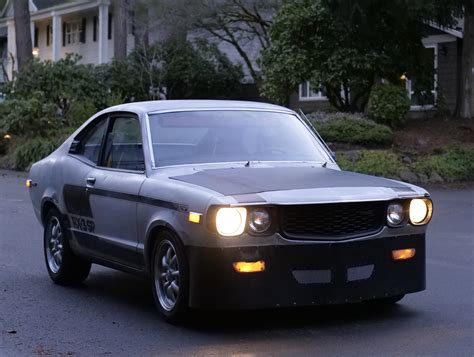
point(333, 220)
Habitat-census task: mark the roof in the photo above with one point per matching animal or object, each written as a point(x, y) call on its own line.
point(44, 4)
point(172, 105)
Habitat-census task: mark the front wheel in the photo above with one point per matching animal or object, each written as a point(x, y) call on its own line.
point(170, 277)
point(63, 266)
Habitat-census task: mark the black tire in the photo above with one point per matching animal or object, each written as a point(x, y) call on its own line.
point(70, 269)
point(173, 311)
point(386, 302)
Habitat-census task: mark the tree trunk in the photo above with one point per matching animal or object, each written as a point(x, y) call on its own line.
point(24, 48)
point(467, 77)
point(140, 23)
point(120, 29)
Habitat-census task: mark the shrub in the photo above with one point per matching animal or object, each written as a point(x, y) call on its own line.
point(79, 112)
point(456, 164)
point(61, 82)
point(373, 162)
point(353, 129)
point(389, 105)
point(28, 117)
point(188, 70)
point(33, 150)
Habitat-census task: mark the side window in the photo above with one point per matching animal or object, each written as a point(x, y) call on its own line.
point(124, 149)
point(89, 146)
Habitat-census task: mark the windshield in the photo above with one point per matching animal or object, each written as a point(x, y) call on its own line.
point(197, 137)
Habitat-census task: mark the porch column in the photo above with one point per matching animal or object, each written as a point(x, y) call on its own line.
point(57, 37)
point(11, 47)
point(103, 32)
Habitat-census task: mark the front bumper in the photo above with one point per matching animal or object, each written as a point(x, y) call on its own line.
point(306, 274)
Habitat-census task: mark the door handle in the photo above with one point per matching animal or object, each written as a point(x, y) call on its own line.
point(90, 182)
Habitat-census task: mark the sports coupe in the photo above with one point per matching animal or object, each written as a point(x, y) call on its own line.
point(226, 204)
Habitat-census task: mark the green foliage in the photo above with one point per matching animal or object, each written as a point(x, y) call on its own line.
point(61, 82)
point(187, 70)
point(28, 117)
point(33, 150)
point(353, 129)
point(201, 72)
point(373, 162)
point(80, 111)
point(389, 105)
point(456, 164)
point(349, 44)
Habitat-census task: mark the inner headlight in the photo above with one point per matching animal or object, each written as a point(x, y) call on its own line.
point(421, 210)
point(395, 214)
point(260, 220)
point(230, 221)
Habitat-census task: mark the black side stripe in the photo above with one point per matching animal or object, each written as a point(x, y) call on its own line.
point(140, 199)
point(71, 199)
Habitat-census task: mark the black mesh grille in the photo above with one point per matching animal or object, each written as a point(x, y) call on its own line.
point(332, 221)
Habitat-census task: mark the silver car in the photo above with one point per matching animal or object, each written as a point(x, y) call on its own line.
point(225, 204)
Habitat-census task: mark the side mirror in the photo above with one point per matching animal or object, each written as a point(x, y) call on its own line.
point(74, 149)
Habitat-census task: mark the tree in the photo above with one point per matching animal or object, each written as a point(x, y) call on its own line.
point(345, 47)
point(120, 29)
point(24, 48)
point(466, 98)
point(242, 24)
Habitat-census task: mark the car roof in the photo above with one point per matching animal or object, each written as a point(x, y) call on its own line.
point(176, 105)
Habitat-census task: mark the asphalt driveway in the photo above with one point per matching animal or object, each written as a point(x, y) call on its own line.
point(112, 313)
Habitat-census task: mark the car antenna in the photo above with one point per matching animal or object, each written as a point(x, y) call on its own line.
point(325, 164)
point(247, 164)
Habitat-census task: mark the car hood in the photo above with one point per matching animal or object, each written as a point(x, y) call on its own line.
point(297, 184)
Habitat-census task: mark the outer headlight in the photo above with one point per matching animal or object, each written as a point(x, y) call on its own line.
point(230, 221)
point(421, 210)
point(260, 220)
point(395, 214)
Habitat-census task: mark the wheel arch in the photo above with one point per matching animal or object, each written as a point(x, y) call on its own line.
point(152, 236)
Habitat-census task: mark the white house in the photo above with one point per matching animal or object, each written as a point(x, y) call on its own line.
point(59, 27)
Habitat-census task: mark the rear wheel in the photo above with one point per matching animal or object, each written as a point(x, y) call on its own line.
point(170, 277)
point(63, 266)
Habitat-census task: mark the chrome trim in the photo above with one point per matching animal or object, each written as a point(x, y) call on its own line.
point(150, 142)
point(289, 111)
point(236, 162)
point(313, 202)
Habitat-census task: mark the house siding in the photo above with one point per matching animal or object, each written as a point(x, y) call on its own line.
point(447, 75)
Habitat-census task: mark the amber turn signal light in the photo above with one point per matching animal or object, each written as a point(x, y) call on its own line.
point(249, 267)
point(194, 217)
point(30, 183)
point(403, 254)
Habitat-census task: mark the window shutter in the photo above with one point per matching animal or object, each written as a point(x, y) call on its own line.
point(94, 29)
point(83, 30)
point(48, 34)
point(64, 34)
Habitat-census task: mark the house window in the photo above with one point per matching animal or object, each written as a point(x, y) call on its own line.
point(73, 32)
point(308, 92)
point(424, 98)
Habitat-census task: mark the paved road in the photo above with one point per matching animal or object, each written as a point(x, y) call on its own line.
point(113, 313)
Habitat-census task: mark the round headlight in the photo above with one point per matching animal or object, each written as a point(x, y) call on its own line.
point(230, 221)
point(420, 211)
point(260, 220)
point(395, 214)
